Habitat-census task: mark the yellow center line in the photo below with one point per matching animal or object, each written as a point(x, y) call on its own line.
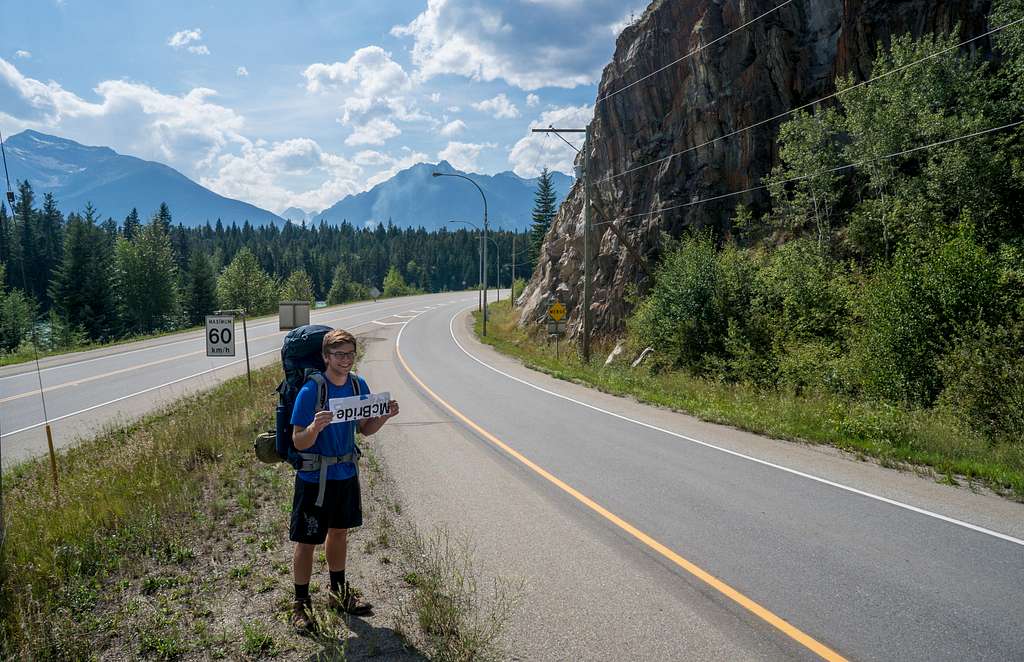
point(753, 607)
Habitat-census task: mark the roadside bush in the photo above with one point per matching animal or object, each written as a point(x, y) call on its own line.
point(914, 308)
point(17, 313)
point(984, 380)
point(298, 287)
point(682, 317)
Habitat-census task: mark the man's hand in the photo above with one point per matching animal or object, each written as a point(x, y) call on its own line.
point(392, 410)
point(322, 419)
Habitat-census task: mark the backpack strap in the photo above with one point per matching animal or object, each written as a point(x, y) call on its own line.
point(321, 388)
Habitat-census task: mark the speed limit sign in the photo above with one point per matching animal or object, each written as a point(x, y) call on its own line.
point(220, 335)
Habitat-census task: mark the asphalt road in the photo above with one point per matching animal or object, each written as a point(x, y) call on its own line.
point(645, 534)
point(87, 391)
point(638, 533)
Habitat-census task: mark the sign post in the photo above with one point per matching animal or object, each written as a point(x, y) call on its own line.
point(556, 322)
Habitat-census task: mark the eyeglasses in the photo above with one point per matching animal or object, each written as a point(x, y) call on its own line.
point(348, 356)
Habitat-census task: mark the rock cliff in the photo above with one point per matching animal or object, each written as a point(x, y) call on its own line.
point(789, 58)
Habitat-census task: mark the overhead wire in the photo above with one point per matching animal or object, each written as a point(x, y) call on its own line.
point(810, 104)
point(695, 51)
point(791, 180)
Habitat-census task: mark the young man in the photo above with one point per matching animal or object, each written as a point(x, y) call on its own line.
point(342, 508)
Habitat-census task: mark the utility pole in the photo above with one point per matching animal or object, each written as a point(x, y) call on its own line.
point(588, 254)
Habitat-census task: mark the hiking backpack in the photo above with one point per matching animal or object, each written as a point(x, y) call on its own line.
point(302, 359)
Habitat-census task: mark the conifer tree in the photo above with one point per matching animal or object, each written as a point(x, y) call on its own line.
point(51, 244)
point(82, 287)
point(201, 296)
point(132, 225)
point(147, 281)
point(163, 217)
point(544, 211)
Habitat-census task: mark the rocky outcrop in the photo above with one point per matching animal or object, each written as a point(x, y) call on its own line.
point(787, 59)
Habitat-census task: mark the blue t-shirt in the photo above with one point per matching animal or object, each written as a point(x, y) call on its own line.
point(336, 438)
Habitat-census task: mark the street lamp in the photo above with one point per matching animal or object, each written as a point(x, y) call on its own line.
point(484, 267)
point(480, 272)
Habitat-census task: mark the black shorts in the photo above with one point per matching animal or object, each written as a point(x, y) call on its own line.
point(342, 509)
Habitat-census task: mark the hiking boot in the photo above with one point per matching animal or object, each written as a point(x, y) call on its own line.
point(302, 619)
point(352, 602)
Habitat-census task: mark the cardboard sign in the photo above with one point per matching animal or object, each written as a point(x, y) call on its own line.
point(359, 407)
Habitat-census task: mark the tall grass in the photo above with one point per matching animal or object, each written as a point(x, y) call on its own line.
point(896, 436)
point(123, 494)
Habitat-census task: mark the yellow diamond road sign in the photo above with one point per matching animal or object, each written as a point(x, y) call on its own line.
point(557, 311)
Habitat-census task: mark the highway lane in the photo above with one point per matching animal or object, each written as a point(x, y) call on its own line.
point(855, 575)
point(87, 393)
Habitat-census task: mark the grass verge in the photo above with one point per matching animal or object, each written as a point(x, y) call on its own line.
point(168, 540)
point(928, 441)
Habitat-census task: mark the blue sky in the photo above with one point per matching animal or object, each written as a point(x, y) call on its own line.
point(301, 102)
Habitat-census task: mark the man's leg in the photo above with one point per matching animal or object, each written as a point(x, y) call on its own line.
point(302, 562)
point(337, 549)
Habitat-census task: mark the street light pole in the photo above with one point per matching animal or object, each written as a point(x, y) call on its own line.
point(484, 266)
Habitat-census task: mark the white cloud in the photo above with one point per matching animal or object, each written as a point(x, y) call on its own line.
point(537, 151)
point(257, 175)
point(183, 38)
point(454, 109)
point(463, 156)
point(376, 93)
point(189, 39)
point(453, 128)
point(499, 106)
point(187, 130)
point(532, 100)
point(371, 68)
point(24, 55)
point(436, 97)
point(242, 72)
point(520, 42)
point(376, 131)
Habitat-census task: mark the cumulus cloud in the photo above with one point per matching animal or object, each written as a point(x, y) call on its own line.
point(463, 156)
point(535, 151)
point(376, 94)
point(188, 39)
point(187, 130)
point(242, 72)
point(376, 131)
point(453, 128)
point(24, 55)
point(532, 100)
point(522, 43)
point(257, 174)
point(499, 106)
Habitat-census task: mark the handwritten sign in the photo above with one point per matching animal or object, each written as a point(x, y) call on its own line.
point(360, 407)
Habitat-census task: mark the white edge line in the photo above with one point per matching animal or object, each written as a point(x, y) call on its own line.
point(892, 502)
point(389, 323)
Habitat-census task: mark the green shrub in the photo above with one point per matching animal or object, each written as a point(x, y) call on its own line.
point(682, 317)
point(914, 308)
point(984, 380)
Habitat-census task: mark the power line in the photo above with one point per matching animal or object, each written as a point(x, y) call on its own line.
point(812, 103)
point(694, 52)
point(816, 174)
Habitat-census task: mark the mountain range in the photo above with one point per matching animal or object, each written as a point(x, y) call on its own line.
point(77, 174)
point(114, 183)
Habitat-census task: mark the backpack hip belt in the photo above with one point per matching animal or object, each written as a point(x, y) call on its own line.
point(317, 462)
